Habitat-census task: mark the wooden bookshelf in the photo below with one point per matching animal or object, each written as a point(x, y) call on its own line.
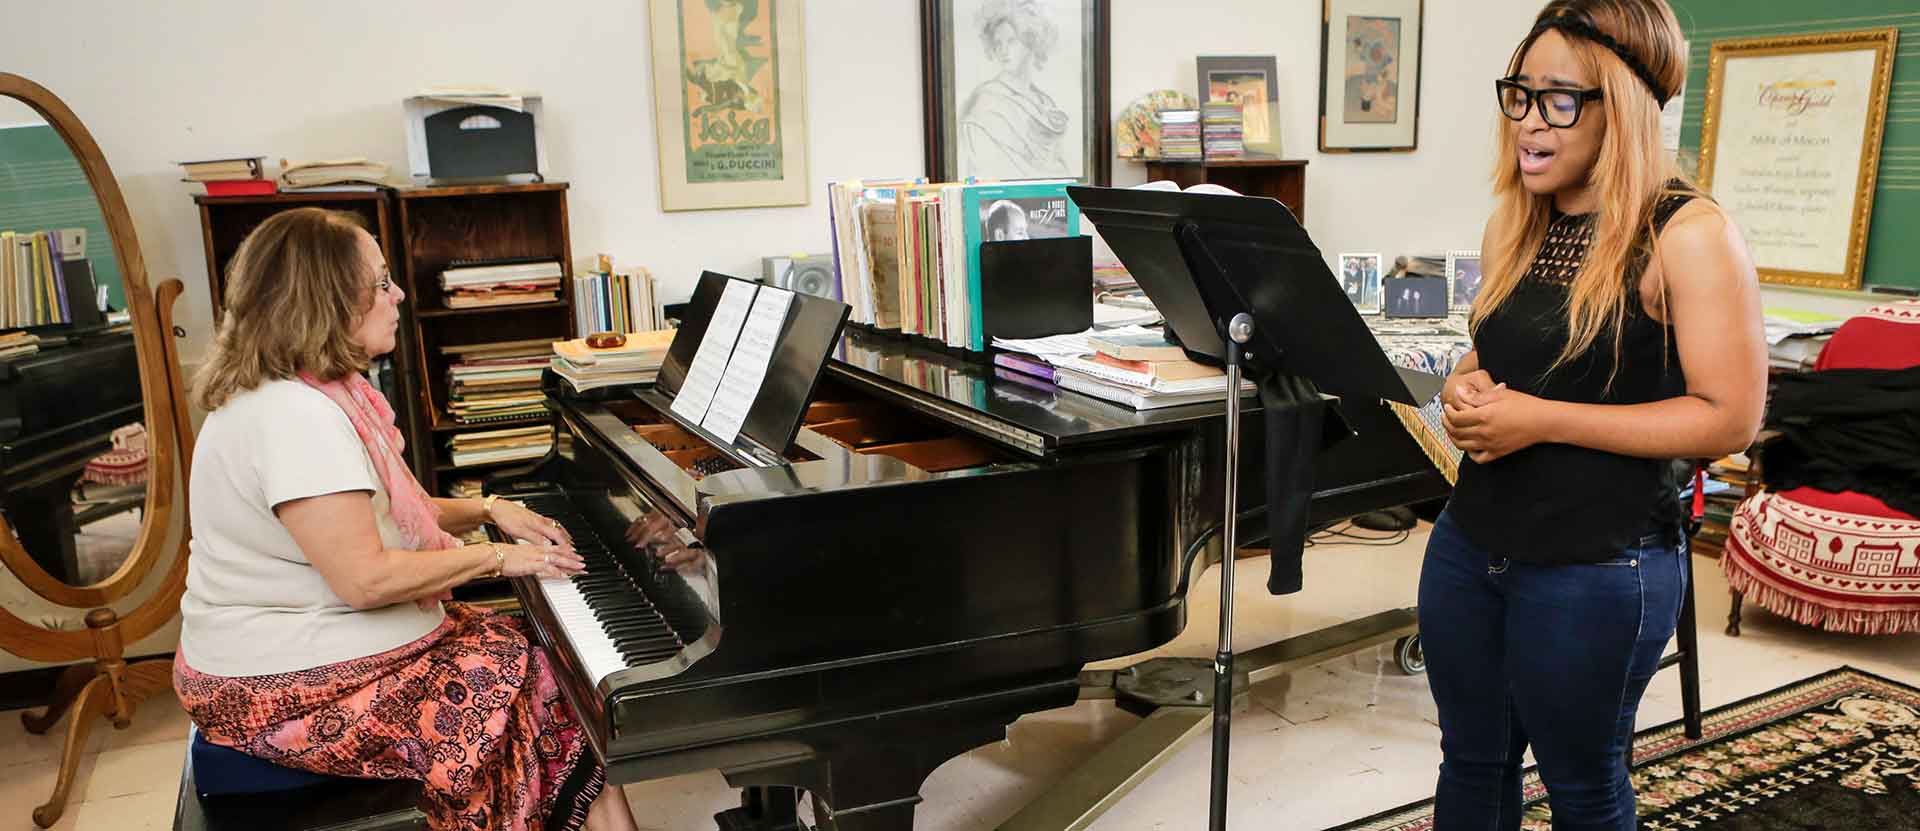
point(1282, 179)
point(225, 221)
point(442, 226)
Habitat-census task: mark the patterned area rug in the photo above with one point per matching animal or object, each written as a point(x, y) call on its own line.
point(1837, 751)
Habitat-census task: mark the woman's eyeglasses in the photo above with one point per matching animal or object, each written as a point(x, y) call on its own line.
point(1559, 106)
point(383, 286)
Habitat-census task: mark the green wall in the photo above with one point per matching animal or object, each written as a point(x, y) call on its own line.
point(43, 188)
point(1892, 244)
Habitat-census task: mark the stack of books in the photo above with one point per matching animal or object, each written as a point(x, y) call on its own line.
point(46, 279)
point(486, 447)
point(355, 174)
point(636, 362)
point(1140, 370)
point(608, 301)
point(1221, 127)
point(495, 382)
point(469, 286)
point(18, 345)
point(907, 252)
point(1180, 135)
point(244, 176)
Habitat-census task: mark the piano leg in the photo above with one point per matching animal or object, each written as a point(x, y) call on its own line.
point(866, 785)
point(763, 808)
point(42, 514)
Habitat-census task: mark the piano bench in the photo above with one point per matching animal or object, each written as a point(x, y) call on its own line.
point(222, 788)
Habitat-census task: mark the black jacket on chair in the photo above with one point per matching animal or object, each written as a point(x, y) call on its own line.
point(1848, 430)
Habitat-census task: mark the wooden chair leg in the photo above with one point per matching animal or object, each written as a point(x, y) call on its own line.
point(1689, 637)
point(65, 692)
point(93, 702)
point(1733, 614)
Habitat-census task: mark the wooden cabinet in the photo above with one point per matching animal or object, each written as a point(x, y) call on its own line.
point(1282, 179)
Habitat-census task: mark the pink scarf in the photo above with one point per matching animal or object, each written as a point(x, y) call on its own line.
point(414, 513)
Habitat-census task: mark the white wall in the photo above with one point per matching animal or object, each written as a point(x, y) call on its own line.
point(161, 82)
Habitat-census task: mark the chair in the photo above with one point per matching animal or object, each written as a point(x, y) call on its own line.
point(1845, 562)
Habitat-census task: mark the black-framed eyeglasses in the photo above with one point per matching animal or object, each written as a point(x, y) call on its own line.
point(1559, 106)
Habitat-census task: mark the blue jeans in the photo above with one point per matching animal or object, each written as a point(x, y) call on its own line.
point(1552, 656)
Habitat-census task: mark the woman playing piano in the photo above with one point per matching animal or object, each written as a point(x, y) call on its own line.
point(1554, 578)
point(314, 632)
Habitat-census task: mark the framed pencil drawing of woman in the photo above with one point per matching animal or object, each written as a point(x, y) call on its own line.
point(1016, 89)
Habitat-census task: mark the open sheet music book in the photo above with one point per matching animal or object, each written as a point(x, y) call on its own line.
point(759, 351)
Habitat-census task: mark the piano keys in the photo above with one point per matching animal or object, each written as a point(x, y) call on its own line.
point(937, 553)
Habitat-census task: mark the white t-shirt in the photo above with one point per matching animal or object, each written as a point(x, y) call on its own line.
point(254, 605)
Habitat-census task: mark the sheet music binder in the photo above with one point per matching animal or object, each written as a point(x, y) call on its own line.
point(811, 332)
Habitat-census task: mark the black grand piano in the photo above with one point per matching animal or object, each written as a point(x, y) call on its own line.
point(938, 552)
point(58, 410)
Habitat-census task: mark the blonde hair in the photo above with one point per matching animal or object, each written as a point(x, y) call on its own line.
point(1629, 177)
point(294, 291)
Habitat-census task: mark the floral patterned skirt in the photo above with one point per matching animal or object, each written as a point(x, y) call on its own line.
point(471, 711)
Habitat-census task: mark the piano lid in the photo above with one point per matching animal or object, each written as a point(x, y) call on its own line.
point(1033, 418)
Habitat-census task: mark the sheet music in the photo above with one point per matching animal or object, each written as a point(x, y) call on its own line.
point(740, 386)
point(716, 346)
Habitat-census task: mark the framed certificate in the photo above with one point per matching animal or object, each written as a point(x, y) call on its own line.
point(1790, 146)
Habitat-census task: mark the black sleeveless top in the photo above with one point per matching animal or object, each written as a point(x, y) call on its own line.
point(1557, 503)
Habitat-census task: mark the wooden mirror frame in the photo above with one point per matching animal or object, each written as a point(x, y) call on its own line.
point(164, 410)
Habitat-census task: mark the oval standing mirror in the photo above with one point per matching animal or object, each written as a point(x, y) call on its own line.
point(92, 426)
point(73, 445)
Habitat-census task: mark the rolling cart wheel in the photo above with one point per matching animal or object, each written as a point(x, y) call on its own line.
point(1410, 657)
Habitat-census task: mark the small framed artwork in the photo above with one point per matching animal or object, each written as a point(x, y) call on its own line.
point(1424, 297)
point(729, 102)
point(1252, 82)
point(1016, 89)
point(1360, 279)
point(1463, 279)
point(1370, 75)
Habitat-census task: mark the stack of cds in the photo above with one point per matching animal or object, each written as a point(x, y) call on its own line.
point(1180, 135)
point(1221, 125)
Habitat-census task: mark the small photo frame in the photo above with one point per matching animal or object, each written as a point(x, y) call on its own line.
point(1359, 276)
point(1414, 297)
point(1463, 279)
point(1253, 83)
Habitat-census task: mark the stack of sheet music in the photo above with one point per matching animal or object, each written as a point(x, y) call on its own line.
point(1134, 366)
point(515, 444)
point(496, 382)
point(354, 174)
point(18, 345)
point(907, 252)
point(467, 286)
point(635, 362)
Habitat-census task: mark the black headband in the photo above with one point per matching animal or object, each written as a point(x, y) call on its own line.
point(1586, 31)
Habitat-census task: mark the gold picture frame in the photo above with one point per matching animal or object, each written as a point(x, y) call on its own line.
point(1801, 97)
point(729, 99)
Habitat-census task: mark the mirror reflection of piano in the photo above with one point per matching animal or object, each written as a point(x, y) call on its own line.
point(58, 409)
point(938, 553)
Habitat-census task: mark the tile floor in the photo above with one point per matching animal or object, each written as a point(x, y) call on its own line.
point(1339, 741)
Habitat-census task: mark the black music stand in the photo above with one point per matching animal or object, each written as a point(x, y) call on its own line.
point(1240, 282)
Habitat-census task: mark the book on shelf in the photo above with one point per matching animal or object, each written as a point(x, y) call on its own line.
point(1133, 397)
point(241, 187)
point(1027, 365)
point(332, 173)
point(500, 297)
point(1176, 370)
point(43, 283)
point(212, 170)
point(606, 300)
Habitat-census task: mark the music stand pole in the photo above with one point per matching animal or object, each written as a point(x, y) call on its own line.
point(1239, 330)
